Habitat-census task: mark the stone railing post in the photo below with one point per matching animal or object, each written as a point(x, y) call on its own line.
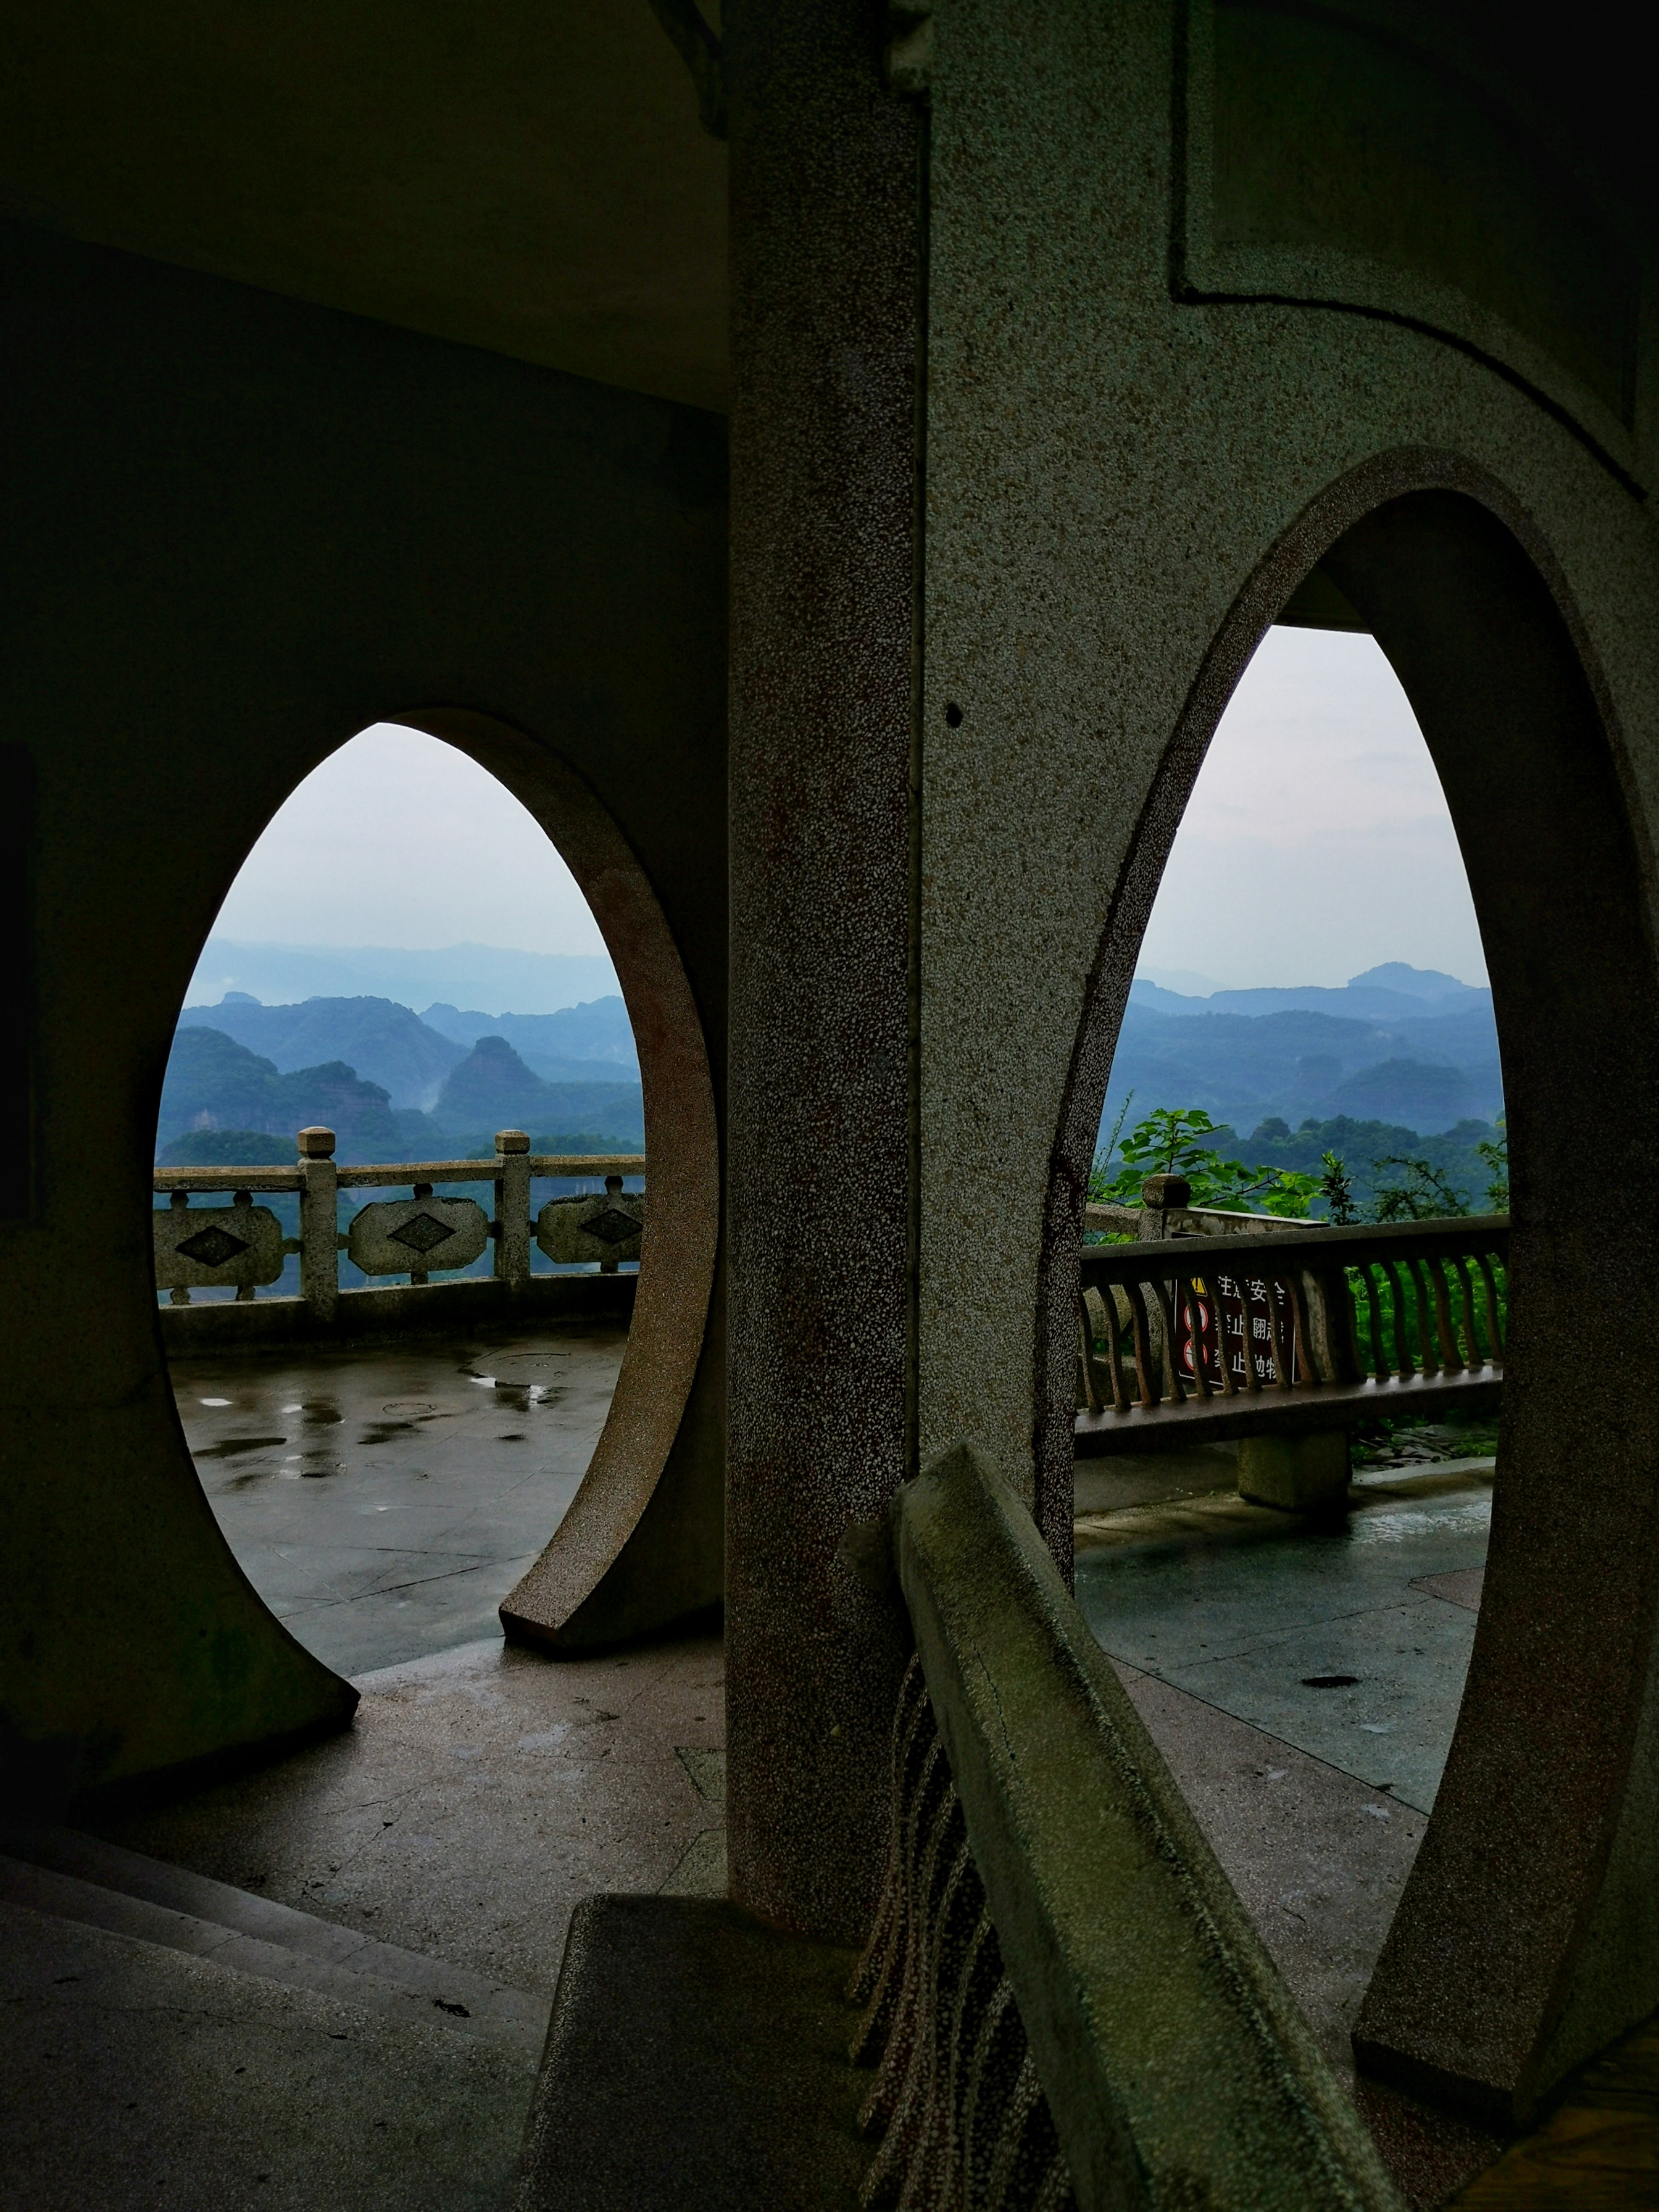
point(1161, 1195)
point(512, 1207)
point(319, 1223)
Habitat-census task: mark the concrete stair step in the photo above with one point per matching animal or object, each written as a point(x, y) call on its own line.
point(74, 1876)
point(697, 2062)
point(136, 2076)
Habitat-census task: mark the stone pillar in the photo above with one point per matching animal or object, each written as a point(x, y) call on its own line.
point(319, 1223)
point(1161, 1195)
point(824, 177)
point(513, 1205)
point(1299, 1475)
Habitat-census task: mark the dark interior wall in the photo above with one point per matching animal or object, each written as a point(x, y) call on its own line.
point(239, 529)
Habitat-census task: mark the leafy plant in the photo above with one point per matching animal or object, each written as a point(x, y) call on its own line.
point(1100, 1175)
point(1495, 1151)
point(1279, 1190)
point(1170, 1141)
point(1167, 1143)
point(1336, 1188)
point(1425, 1194)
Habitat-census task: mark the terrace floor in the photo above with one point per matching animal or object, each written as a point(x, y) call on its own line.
point(384, 1501)
point(1302, 1678)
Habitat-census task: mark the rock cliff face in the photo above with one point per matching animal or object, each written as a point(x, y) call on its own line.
point(492, 1089)
point(214, 1083)
point(385, 1042)
point(585, 1044)
point(410, 1055)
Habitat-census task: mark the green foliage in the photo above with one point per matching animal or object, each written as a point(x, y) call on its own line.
point(559, 1144)
point(1496, 1153)
point(1423, 1193)
point(1170, 1141)
point(1358, 1144)
point(1402, 1186)
point(1336, 1188)
point(227, 1148)
point(1280, 1190)
point(1422, 1338)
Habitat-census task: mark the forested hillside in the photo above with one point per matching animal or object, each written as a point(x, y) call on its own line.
point(226, 1104)
point(410, 1055)
point(1424, 1058)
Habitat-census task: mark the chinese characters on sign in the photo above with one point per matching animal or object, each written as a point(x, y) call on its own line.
point(1249, 1325)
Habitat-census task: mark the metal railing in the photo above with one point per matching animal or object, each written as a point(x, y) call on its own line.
point(1305, 1326)
point(244, 1246)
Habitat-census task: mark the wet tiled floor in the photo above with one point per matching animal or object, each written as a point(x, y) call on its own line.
point(1350, 1641)
point(383, 1502)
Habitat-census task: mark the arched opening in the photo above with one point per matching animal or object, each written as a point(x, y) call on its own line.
point(1519, 1944)
point(470, 1364)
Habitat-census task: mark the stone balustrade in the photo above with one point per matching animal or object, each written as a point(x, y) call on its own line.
point(1066, 2005)
point(242, 1244)
point(1302, 1333)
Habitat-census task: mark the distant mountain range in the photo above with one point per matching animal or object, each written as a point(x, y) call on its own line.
point(492, 976)
point(1399, 1045)
point(392, 1086)
point(214, 1084)
point(564, 1047)
point(410, 1056)
point(1401, 1049)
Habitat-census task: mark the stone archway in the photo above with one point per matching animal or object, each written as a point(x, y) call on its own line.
point(1527, 1936)
point(640, 1545)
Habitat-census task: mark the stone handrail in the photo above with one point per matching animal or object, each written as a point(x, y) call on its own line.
point(1235, 1334)
point(1148, 1222)
point(1166, 1209)
point(1061, 1989)
point(243, 1245)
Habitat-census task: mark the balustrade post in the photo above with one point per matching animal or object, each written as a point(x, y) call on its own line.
point(180, 1204)
point(319, 1223)
point(1161, 1195)
point(512, 1207)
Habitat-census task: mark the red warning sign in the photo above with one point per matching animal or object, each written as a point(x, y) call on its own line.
point(1252, 1311)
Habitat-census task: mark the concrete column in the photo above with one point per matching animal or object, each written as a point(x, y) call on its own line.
point(513, 1205)
point(824, 172)
point(1161, 1195)
point(319, 1223)
point(1299, 1475)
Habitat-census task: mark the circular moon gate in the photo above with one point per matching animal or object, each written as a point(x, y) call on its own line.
point(632, 1553)
point(1528, 1933)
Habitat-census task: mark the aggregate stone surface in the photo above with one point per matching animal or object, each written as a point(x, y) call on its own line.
point(1318, 1860)
point(477, 1794)
point(135, 2077)
point(383, 1502)
point(1349, 1640)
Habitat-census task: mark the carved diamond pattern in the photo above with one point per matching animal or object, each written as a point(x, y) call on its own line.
point(212, 1247)
point(613, 1226)
point(422, 1233)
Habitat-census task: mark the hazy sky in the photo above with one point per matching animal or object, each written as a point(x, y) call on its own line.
point(399, 839)
point(1316, 844)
